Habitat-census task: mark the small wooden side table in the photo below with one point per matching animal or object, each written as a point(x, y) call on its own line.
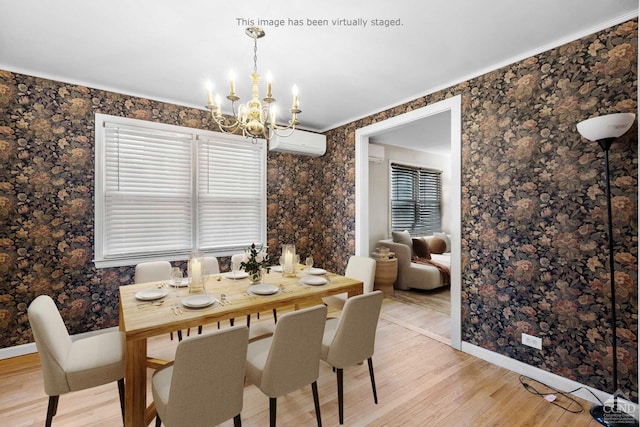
point(386, 275)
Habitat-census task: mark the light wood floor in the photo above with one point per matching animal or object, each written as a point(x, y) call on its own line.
point(420, 381)
point(426, 312)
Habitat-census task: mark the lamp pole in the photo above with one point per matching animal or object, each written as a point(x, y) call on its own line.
point(611, 416)
point(606, 144)
point(605, 130)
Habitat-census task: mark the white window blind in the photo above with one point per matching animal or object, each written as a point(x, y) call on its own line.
point(163, 191)
point(231, 189)
point(415, 199)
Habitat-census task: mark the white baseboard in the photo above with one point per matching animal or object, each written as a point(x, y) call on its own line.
point(21, 350)
point(18, 350)
point(552, 380)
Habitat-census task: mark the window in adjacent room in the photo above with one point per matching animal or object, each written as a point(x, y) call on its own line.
point(163, 191)
point(415, 199)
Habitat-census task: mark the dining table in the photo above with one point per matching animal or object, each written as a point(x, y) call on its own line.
point(155, 308)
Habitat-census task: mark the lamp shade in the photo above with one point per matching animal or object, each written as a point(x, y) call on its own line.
point(609, 126)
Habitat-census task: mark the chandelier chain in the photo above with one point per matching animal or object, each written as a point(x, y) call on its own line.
point(255, 56)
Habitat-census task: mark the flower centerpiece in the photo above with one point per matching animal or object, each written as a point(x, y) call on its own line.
point(254, 260)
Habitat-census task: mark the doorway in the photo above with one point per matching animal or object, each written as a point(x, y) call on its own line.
point(451, 106)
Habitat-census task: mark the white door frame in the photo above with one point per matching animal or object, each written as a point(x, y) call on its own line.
point(453, 105)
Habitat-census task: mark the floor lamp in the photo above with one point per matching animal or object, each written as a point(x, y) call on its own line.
point(605, 130)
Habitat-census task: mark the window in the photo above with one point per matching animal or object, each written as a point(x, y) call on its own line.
point(163, 191)
point(415, 199)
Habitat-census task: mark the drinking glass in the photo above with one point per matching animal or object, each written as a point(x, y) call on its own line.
point(309, 261)
point(176, 278)
point(235, 266)
point(282, 267)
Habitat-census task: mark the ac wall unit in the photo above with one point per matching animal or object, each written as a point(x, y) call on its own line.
point(376, 153)
point(300, 142)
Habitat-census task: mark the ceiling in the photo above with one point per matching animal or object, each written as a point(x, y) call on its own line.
point(166, 50)
point(430, 134)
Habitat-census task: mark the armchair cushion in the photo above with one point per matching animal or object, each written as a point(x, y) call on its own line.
point(403, 237)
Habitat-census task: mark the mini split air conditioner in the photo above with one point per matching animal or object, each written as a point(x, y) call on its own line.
point(376, 153)
point(300, 142)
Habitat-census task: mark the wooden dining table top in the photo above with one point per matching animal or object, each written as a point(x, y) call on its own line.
point(144, 319)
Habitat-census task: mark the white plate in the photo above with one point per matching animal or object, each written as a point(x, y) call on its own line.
point(263, 289)
point(198, 301)
point(313, 280)
point(236, 275)
point(317, 271)
point(183, 284)
point(151, 294)
point(276, 268)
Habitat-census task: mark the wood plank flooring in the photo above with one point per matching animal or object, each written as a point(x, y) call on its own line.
point(426, 312)
point(420, 381)
point(438, 299)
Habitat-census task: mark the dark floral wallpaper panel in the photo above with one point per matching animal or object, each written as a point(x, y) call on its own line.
point(534, 211)
point(533, 207)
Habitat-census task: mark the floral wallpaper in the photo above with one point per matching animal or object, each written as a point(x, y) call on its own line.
point(533, 208)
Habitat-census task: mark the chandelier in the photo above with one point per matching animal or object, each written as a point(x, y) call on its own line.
point(254, 119)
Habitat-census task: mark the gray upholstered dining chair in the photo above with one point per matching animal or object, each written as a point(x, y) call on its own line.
point(290, 358)
point(351, 339)
point(73, 365)
point(360, 268)
point(205, 384)
point(154, 271)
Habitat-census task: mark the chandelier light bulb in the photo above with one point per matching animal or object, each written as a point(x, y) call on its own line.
point(269, 80)
point(218, 105)
point(295, 97)
point(209, 86)
point(232, 80)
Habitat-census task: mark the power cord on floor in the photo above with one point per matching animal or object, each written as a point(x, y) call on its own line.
point(551, 396)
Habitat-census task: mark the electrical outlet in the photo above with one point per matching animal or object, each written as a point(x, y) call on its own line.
point(532, 341)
